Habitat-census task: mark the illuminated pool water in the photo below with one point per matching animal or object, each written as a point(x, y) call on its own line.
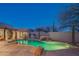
point(47, 45)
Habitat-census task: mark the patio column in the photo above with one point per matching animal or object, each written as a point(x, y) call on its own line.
point(2, 34)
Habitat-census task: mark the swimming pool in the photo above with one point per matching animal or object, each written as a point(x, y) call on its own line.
point(47, 45)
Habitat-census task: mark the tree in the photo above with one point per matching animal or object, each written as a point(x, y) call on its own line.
point(47, 29)
point(70, 19)
point(54, 28)
point(39, 30)
point(30, 32)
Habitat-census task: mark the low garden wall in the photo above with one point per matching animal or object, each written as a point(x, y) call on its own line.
point(63, 36)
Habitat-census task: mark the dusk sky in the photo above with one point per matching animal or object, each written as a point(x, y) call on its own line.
point(31, 15)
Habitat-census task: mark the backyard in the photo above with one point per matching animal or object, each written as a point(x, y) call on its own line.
point(39, 29)
point(24, 49)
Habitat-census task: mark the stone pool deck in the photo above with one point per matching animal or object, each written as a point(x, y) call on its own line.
point(65, 52)
point(14, 50)
point(19, 50)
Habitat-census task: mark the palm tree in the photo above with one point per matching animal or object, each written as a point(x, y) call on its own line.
point(71, 19)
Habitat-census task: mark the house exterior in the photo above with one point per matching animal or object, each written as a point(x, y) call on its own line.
point(22, 34)
point(10, 34)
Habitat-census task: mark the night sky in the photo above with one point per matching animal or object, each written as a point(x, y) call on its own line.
point(30, 15)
